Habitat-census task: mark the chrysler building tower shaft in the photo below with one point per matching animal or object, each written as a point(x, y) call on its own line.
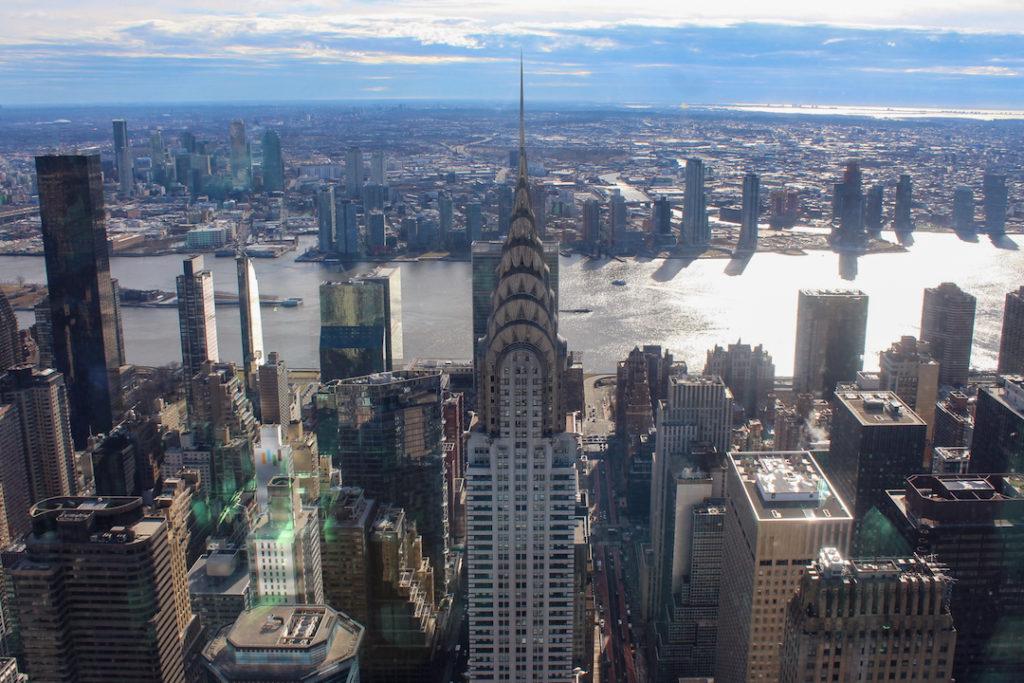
point(521, 478)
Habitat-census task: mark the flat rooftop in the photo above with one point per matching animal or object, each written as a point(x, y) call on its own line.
point(843, 293)
point(878, 408)
point(219, 572)
point(787, 485)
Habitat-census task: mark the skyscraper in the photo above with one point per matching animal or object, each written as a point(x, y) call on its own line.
point(346, 236)
point(695, 419)
point(354, 173)
point(360, 325)
point(326, 220)
point(781, 511)
point(903, 220)
point(123, 160)
point(275, 394)
point(695, 230)
point(109, 563)
point(486, 257)
point(474, 222)
point(520, 546)
point(10, 341)
point(241, 163)
point(830, 330)
point(445, 212)
point(908, 369)
point(748, 372)
point(591, 228)
point(284, 548)
point(661, 216)
point(876, 443)
point(971, 525)
point(848, 201)
point(947, 323)
point(251, 320)
point(378, 168)
point(1011, 344)
point(998, 441)
point(881, 607)
point(616, 218)
point(750, 213)
point(273, 162)
point(43, 413)
point(14, 495)
point(963, 211)
point(873, 208)
point(84, 326)
point(384, 433)
point(995, 197)
point(197, 322)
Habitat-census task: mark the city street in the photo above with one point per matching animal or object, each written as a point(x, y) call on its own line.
point(612, 559)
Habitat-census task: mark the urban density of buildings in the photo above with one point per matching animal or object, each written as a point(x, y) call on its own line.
point(513, 515)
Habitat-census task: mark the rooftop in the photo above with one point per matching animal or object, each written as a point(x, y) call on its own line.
point(787, 485)
point(284, 642)
point(223, 571)
point(844, 293)
point(878, 408)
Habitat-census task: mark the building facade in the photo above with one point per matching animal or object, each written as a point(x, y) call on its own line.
point(830, 331)
point(947, 324)
point(781, 510)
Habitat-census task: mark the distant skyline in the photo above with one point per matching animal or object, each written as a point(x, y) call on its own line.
point(937, 53)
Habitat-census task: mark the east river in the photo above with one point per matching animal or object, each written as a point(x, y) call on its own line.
point(685, 306)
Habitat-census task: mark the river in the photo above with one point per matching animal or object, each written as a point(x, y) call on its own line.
point(687, 307)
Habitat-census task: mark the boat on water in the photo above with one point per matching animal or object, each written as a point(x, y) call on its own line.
point(619, 283)
point(292, 302)
point(576, 310)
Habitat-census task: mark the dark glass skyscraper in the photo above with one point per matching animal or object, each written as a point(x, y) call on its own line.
point(10, 343)
point(903, 221)
point(123, 158)
point(82, 311)
point(995, 197)
point(273, 162)
point(1011, 344)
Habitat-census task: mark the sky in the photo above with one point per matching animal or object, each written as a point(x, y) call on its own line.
point(937, 53)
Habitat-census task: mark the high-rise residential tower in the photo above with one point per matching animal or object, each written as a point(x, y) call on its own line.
point(275, 394)
point(590, 231)
point(354, 172)
point(273, 162)
point(661, 216)
point(42, 402)
point(873, 207)
point(1011, 344)
point(251, 319)
point(14, 495)
point(326, 220)
point(848, 202)
point(84, 325)
point(10, 340)
point(521, 477)
point(378, 168)
point(241, 163)
point(123, 161)
point(963, 210)
point(947, 323)
point(781, 511)
point(94, 596)
point(197, 322)
point(996, 199)
point(616, 218)
point(360, 325)
point(695, 231)
point(831, 326)
point(750, 213)
point(903, 220)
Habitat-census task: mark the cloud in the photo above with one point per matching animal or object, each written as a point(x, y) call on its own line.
point(997, 71)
